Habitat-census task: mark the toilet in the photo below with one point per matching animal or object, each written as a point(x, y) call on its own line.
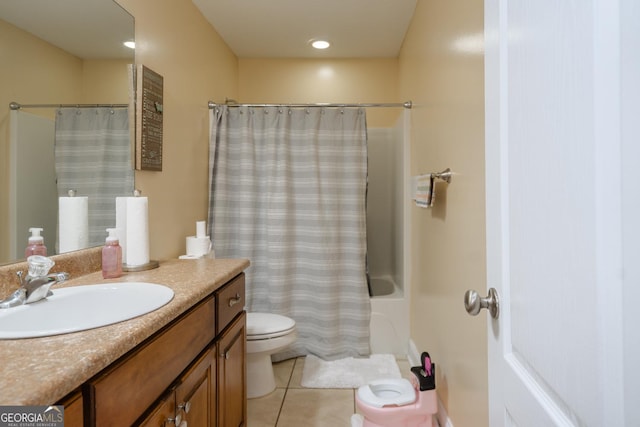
point(400, 402)
point(267, 334)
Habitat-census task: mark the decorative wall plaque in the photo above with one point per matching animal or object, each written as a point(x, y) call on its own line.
point(149, 120)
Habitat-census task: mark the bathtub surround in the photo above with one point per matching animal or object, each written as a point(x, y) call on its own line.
point(287, 190)
point(388, 236)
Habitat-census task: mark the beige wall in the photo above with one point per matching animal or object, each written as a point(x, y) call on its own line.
point(174, 40)
point(444, 76)
point(323, 80)
point(112, 75)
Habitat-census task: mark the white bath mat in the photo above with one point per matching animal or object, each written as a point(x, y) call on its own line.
point(349, 372)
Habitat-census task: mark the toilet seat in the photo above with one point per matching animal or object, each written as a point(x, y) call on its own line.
point(263, 326)
point(387, 392)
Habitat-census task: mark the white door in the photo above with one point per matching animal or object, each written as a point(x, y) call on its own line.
point(557, 212)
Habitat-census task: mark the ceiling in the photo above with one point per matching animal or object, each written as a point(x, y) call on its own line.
point(251, 28)
point(283, 28)
point(92, 29)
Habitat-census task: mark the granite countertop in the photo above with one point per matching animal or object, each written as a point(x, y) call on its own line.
point(41, 371)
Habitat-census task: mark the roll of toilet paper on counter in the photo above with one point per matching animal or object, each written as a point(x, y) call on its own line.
point(132, 225)
point(73, 223)
point(198, 246)
point(201, 227)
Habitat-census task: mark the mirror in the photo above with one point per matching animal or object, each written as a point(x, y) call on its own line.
point(53, 53)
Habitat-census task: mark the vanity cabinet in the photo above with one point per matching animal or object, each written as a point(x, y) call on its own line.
point(192, 370)
point(72, 409)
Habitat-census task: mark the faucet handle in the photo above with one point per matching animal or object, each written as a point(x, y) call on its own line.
point(39, 265)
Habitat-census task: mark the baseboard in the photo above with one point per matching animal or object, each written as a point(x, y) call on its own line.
point(413, 356)
point(442, 416)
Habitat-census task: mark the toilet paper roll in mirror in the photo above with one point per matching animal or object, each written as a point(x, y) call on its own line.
point(198, 246)
point(73, 223)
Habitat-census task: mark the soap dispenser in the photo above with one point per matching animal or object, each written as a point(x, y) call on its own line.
point(36, 243)
point(111, 256)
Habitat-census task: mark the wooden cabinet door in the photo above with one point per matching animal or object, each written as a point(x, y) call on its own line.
point(196, 393)
point(73, 414)
point(232, 396)
point(163, 413)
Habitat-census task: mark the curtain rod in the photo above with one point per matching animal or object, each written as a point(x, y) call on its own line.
point(16, 106)
point(231, 103)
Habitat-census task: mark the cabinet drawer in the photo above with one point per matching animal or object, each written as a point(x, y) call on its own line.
point(229, 302)
point(122, 393)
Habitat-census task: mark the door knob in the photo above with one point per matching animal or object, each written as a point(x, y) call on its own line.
point(473, 302)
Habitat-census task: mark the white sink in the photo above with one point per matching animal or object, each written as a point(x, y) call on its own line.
point(82, 307)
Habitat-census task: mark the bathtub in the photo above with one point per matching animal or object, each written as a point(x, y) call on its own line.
point(389, 325)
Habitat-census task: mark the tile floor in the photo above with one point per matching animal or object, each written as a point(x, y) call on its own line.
point(292, 405)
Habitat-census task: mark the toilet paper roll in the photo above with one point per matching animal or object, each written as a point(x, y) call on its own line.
point(121, 225)
point(132, 224)
point(201, 229)
point(198, 246)
point(73, 223)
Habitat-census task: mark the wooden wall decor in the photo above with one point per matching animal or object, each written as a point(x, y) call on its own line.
point(149, 119)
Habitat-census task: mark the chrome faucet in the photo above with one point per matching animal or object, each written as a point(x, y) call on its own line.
point(35, 285)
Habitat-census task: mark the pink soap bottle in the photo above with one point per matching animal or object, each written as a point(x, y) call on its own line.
point(36, 243)
point(111, 256)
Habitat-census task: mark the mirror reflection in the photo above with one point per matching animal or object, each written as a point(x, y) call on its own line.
point(67, 52)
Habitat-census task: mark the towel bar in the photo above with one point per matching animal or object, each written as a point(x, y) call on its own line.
point(445, 175)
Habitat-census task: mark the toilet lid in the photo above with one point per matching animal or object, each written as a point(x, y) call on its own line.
point(387, 392)
point(268, 325)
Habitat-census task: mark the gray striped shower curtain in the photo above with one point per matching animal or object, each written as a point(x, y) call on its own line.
point(93, 157)
point(287, 190)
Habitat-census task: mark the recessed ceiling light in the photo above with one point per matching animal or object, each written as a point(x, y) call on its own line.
point(320, 44)
point(130, 44)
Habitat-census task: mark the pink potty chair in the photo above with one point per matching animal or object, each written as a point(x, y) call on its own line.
point(400, 402)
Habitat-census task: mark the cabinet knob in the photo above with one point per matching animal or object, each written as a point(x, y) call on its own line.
point(177, 421)
point(185, 406)
point(233, 301)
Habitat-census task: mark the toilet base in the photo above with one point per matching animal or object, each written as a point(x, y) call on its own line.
point(260, 378)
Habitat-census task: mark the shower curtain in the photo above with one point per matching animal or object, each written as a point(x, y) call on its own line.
point(287, 191)
point(93, 157)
